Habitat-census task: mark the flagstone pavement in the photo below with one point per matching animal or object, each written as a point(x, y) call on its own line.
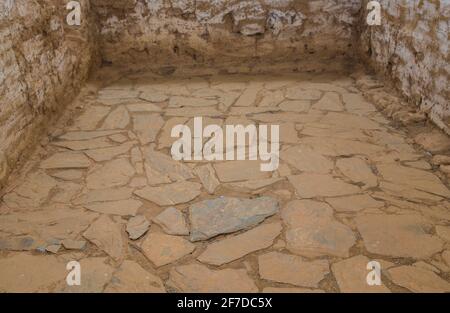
point(352, 187)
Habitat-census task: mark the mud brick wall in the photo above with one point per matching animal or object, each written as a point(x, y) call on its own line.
point(319, 33)
point(43, 63)
point(411, 47)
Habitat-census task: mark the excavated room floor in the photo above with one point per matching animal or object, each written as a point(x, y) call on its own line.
point(103, 190)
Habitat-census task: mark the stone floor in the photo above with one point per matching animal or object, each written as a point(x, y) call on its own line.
point(103, 190)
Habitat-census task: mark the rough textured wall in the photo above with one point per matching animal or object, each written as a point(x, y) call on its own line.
point(43, 62)
point(150, 32)
point(411, 47)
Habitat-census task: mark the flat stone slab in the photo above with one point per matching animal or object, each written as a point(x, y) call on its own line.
point(137, 226)
point(357, 103)
point(28, 273)
point(86, 135)
point(446, 257)
point(101, 195)
point(312, 230)
point(117, 119)
point(347, 120)
point(90, 118)
point(398, 235)
point(208, 177)
point(418, 279)
point(118, 138)
point(120, 207)
point(253, 185)
point(162, 249)
point(154, 96)
point(415, 178)
point(296, 93)
point(308, 185)
point(180, 102)
point(147, 127)
point(233, 171)
point(107, 236)
point(166, 165)
point(193, 112)
point(165, 139)
point(170, 194)
point(172, 222)
point(68, 174)
point(80, 145)
point(332, 146)
point(95, 274)
point(154, 177)
point(443, 232)
point(114, 173)
point(33, 192)
point(329, 102)
point(20, 243)
point(71, 244)
point(131, 277)
point(66, 160)
point(225, 215)
point(47, 224)
point(299, 106)
point(306, 159)
point(354, 203)
point(408, 192)
point(199, 278)
point(358, 171)
point(248, 97)
point(351, 275)
point(143, 107)
point(106, 154)
point(292, 269)
point(233, 248)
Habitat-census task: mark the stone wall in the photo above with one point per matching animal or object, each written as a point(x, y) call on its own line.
point(43, 63)
point(411, 48)
point(318, 33)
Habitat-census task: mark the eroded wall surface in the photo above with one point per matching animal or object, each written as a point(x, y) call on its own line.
point(43, 63)
point(411, 47)
point(149, 32)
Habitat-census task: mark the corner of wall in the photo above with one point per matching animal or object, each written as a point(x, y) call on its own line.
point(43, 64)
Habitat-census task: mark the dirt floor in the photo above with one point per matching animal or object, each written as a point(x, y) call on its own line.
point(351, 188)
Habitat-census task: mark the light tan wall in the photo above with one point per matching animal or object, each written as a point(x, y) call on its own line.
point(319, 33)
point(43, 63)
point(411, 47)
